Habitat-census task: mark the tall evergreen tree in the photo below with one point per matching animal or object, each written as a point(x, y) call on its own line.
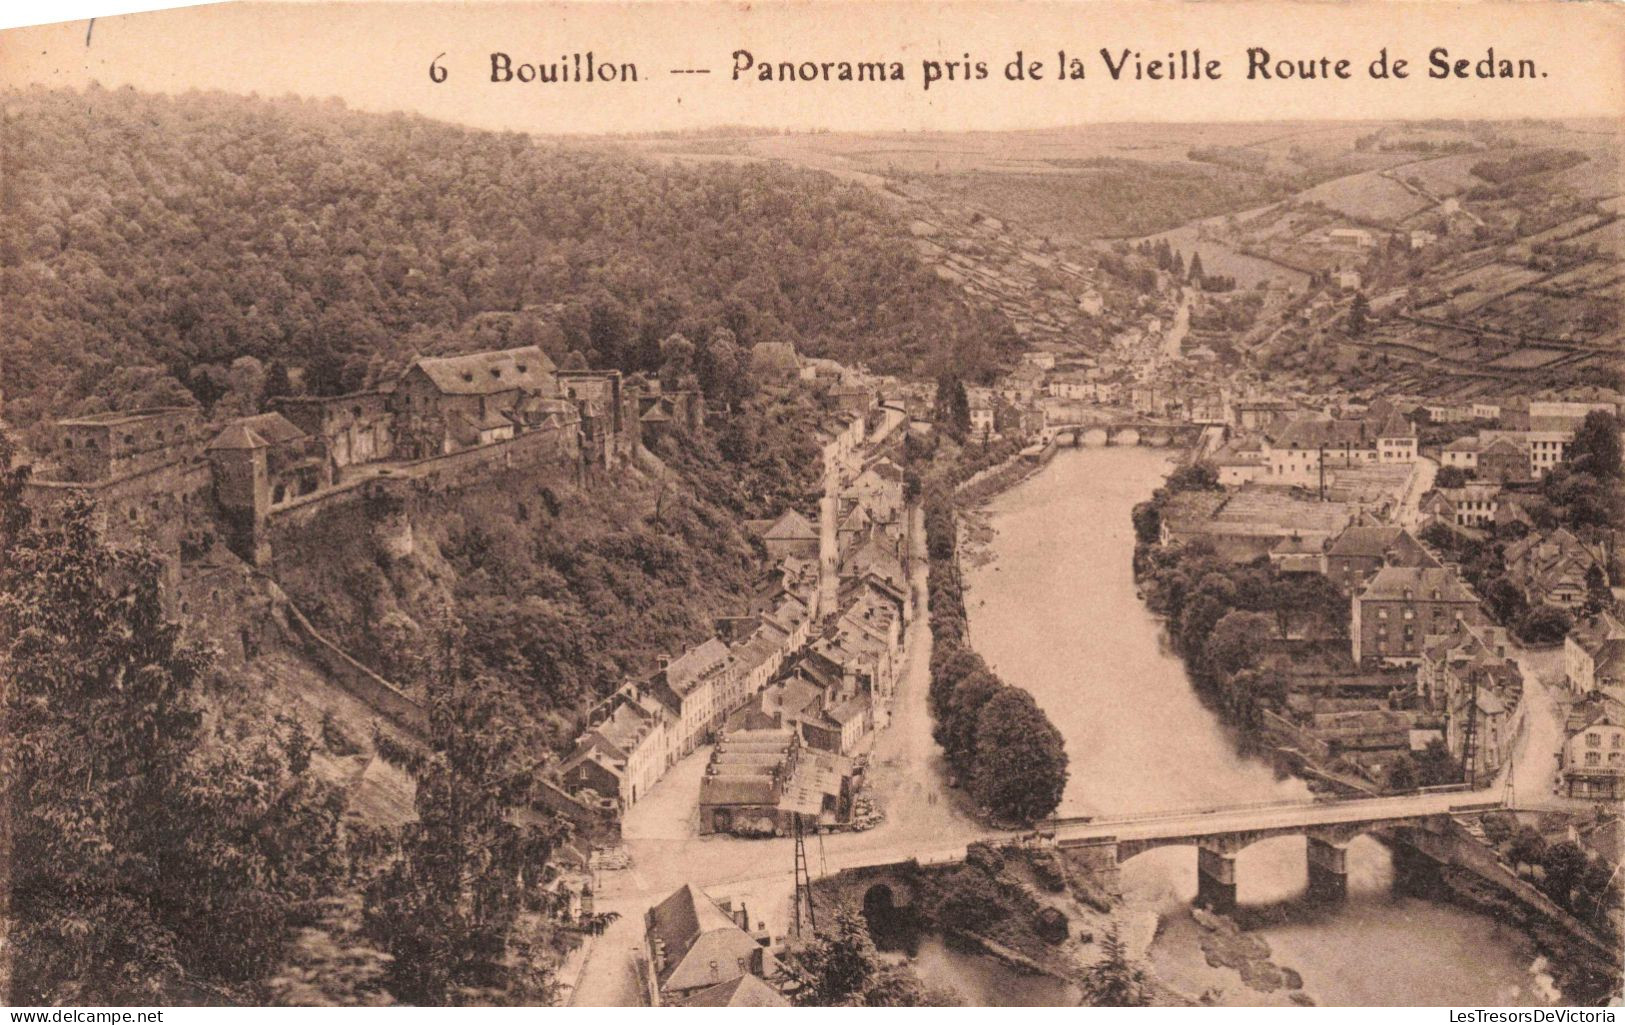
point(1114, 980)
point(450, 908)
point(952, 412)
point(1359, 314)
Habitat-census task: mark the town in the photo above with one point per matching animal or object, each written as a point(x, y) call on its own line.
point(704, 571)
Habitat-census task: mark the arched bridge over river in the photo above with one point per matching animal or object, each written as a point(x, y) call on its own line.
point(1100, 845)
point(1144, 431)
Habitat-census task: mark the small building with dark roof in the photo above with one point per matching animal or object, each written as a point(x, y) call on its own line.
point(695, 944)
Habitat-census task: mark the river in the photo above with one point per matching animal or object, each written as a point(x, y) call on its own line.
point(1053, 609)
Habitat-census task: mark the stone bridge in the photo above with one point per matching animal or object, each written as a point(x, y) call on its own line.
point(1148, 432)
point(1098, 847)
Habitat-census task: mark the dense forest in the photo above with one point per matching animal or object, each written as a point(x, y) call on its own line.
point(223, 250)
point(151, 241)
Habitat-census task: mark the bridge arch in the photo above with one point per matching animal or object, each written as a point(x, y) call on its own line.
point(1125, 436)
point(1232, 844)
point(878, 899)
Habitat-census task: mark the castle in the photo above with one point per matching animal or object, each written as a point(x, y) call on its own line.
point(178, 483)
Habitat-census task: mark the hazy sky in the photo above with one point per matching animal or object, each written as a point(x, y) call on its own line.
point(377, 57)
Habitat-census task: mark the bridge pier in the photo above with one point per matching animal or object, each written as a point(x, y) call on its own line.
point(1328, 870)
point(1215, 879)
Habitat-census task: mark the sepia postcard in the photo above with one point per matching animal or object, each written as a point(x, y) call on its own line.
point(813, 504)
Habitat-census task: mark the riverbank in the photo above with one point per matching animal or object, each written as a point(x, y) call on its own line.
point(1052, 605)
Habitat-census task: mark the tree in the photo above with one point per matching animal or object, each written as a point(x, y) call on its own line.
point(959, 726)
point(723, 369)
point(1403, 775)
point(1544, 624)
point(1599, 596)
point(676, 362)
point(277, 384)
point(1528, 847)
point(1196, 275)
point(1147, 523)
point(1021, 765)
point(840, 967)
point(130, 822)
point(1564, 863)
point(1597, 891)
point(955, 664)
point(1450, 477)
point(1114, 980)
point(1199, 614)
point(973, 901)
point(1596, 448)
point(448, 906)
point(1198, 476)
point(1436, 766)
point(1234, 644)
point(1504, 600)
point(952, 409)
point(1359, 314)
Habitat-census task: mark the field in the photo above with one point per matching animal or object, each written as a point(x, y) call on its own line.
point(1368, 198)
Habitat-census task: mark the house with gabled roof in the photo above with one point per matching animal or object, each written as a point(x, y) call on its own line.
point(1401, 606)
point(1356, 554)
point(788, 536)
point(694, 944)
point(445, 403)
point(1594, 656)
point(621, 756)
point(745, 991)
point(690, 687)
point(1461, 453)
point(1550, 568)
point(1592, 761)
point(1503, 461)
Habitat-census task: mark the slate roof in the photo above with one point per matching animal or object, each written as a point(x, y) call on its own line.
point(485, 373)
point(851, 709)
point(791, 526)
point(1391, 582)
point(703, 945)
point(1369, 542)
point(742, 788)
point(1381, 542)
point(1506, 445)
point(745, 991)
point(683, 672)
point(251, 432)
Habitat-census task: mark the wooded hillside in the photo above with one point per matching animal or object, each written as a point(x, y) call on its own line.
point(151, 240)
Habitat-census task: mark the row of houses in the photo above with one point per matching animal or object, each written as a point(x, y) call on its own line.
point(1592, 763)
point(832, 606)
point(1468, 676)
point(1507, 457)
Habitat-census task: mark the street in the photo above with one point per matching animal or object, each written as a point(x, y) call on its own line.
point(661, 831)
